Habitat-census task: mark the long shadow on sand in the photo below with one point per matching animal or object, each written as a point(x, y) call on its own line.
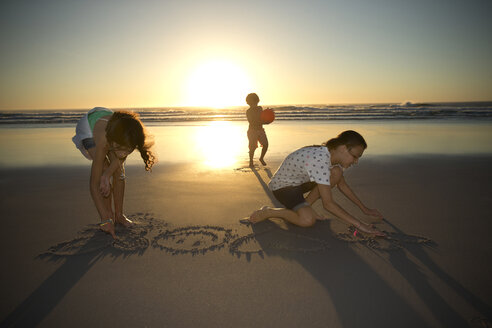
point(44, 299)
point(78, 256)
point(361, 296)
point(407, 268)
point(362, 300)
point(264, 185)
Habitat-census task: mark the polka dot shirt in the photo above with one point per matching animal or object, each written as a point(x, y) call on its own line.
point(304, 165)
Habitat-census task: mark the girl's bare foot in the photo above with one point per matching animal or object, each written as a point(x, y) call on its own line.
point(124, 221)
point(259, 215)
point(108, 227)
point(263, 162)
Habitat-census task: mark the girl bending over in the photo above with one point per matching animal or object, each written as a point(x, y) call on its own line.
point(107, 138)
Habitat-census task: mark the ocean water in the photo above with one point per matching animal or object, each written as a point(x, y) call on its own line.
point(216, 138)
point(224, 144)
point(365, 112)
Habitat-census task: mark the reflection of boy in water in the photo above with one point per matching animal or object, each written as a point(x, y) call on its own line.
point(256, 132)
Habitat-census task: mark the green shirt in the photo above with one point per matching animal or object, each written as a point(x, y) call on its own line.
point(96, 115)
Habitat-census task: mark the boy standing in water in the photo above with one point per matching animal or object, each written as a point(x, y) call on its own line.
point(256, 132)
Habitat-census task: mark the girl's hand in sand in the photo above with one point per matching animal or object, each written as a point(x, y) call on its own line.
point(372, 212)
point(369, 228)
point(121, 218)
point(105, 186)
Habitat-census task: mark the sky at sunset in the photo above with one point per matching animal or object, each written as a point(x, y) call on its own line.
point(71, 54)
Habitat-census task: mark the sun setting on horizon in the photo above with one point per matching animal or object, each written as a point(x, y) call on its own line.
point(130, 54)
point(217, 84)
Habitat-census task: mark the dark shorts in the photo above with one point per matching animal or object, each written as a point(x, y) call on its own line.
point(293, 197)
point(88, 143)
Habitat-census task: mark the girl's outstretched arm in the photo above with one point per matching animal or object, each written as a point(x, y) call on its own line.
point(345, 189)
point(330, 205)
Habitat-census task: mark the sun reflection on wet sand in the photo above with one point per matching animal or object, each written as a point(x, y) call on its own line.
point(220, 144)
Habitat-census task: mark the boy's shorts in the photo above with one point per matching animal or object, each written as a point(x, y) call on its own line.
point(257, 135)
point(293, 197)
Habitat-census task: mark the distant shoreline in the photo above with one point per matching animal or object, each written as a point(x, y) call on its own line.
point(362, 112)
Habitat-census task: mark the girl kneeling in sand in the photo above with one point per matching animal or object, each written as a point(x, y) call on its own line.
point(107, 138)
point(317, 169)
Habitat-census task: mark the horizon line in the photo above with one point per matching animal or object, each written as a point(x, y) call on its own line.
point(264, 105)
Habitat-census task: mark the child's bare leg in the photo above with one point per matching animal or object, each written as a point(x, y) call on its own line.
point(251, 154)
point(108, 200)
point(262, 138)
point(119, 195)
point(123, 220)
point(312, 197)
point(107, 227)
point(263, 152)
point(303, 217)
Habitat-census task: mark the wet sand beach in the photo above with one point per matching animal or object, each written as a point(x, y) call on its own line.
point(398, 91)
point(189, 261)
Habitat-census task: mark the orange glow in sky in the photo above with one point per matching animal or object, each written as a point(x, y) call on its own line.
point(128, 54)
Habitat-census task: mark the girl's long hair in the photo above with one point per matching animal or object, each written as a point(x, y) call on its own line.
point(348, 138)
point(126, 129)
